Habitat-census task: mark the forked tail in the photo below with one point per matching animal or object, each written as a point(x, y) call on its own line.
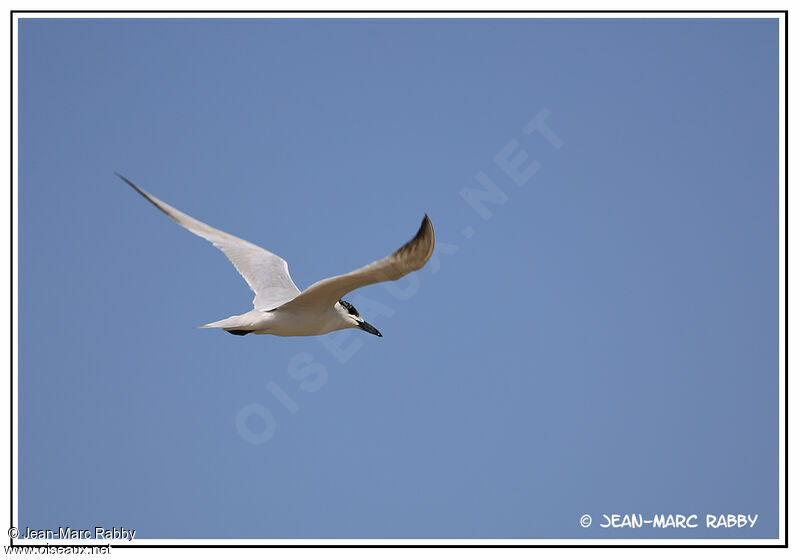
point(237, 324)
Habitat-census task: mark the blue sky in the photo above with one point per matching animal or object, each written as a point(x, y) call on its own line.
point(605, 340)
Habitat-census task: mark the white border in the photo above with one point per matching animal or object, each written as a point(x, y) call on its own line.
point(420, 14)
point(782, 281)
point(366, 542)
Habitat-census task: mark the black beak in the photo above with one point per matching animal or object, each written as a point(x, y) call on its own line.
point(364, 326)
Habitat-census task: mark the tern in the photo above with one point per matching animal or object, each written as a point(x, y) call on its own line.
point(279, 308)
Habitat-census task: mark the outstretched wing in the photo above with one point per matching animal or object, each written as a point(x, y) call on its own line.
point(408, 258)
point(266, 273)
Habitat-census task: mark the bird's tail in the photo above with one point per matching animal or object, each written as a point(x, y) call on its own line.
point(233, 322)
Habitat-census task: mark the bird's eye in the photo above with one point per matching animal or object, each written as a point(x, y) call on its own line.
point(350, 307)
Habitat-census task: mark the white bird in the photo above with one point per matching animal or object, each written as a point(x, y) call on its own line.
point(281, 309)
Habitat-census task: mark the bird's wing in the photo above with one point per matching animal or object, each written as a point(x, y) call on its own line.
point(266, 273)
point(408, 258)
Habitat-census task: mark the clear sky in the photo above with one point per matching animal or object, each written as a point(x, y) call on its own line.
point(597, 331)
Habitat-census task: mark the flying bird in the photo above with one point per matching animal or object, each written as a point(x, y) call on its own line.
point(279, 308)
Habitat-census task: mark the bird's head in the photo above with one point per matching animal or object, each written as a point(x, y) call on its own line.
point(351, 315)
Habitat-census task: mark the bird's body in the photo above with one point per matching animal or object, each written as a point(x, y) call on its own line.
point(279, 307)
point(283, 322)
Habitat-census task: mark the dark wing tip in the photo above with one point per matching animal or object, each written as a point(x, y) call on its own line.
point(420, 248)
point(425, 232)
point(131, 183)
point(124, 178)
point(143, 193)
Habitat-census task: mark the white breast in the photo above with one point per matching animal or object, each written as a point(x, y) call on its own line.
point(298, 323)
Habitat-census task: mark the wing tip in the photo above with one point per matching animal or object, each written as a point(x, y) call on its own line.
point(425, 229)
point(150, 198)
point(131, 183)
point(424, 238)
point(124, 178)
point(424, 226)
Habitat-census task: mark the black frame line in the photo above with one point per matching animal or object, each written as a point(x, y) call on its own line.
point(537, 545)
